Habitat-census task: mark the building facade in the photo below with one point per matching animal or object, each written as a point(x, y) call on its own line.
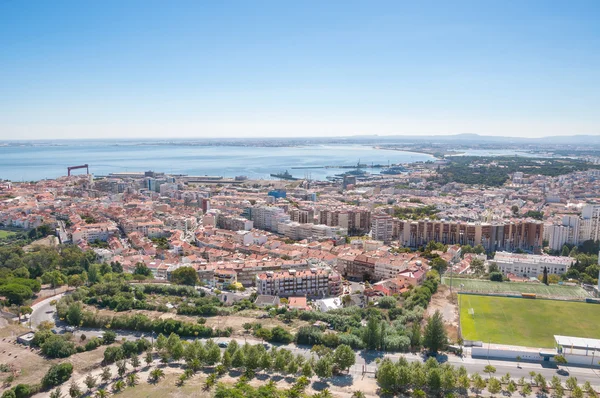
point(531, 265)
point(312, 282)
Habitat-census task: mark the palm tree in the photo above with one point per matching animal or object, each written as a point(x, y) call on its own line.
point(323, 394)
point(156, 375)
point(518, 360)
point(132, 379)
point(358, 394)
point(118, 386)
point(101, 393)
point(210, 381)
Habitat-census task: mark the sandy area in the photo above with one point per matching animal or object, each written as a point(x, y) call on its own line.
point(442, 301)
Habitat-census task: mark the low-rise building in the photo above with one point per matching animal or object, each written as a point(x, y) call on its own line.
point(531, 265)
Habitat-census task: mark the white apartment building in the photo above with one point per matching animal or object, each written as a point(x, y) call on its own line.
point(298, 231)
point(268, 217)
point(574, 229)
point(382, 227)
point(311, 282)
point(531, 265)
point(94, 232)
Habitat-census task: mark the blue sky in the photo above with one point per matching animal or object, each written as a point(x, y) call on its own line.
point(146, 68)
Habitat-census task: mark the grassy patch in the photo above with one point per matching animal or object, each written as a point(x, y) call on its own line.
point(526, 322)
point(482, 286)
point(6, 234)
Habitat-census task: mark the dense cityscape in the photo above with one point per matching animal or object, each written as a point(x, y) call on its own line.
point(310, 199)
point(308, 273)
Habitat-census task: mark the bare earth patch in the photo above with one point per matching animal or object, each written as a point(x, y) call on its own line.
point(445, 303)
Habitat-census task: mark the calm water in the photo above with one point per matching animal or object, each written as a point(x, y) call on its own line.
point(24, 163)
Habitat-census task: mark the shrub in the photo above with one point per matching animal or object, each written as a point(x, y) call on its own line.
point(22, 391)
point(387, 302)
point(57, 375)
point(496, 276)
point(56, 346)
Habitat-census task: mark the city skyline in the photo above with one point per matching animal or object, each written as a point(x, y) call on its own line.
point(151, 70)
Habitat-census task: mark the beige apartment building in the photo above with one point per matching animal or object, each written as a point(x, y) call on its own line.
point(313, 282)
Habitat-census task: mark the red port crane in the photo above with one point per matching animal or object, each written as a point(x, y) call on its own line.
point(83, 166)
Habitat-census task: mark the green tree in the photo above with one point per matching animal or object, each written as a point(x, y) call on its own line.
point(494, 386)
point(57, 374)
point(106, 374)
point(75, 390)
point(185, 276)
point(496, 276)
point(161, 342)
point(571, 382)
point(15, 293)
point(237, 361)
point(226, 360)
point(135, 361)
point(90, 381)
point(54, 279)
point(94, 275)
point(526, 389)
point(324, 367)
point(307, 370)
point(56, 393)
point(387, 376)
point(74, 314)
point(439, 264)
point(565, 251)
point(121, 367)
point(148, 358)
point(477, 266)
point(435, 337)
point(558, 389)
point(142, 269)
point(371, 336)
point(415, 337)
point(344, 357)
point(489, 369)
point(75, 281)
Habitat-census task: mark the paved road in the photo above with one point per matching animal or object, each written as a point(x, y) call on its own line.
point(43, 311)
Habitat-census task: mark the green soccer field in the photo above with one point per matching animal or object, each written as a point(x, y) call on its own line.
point(526, 322)
point(482, 286)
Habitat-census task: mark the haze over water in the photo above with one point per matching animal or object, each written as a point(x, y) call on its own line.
point(32, 162)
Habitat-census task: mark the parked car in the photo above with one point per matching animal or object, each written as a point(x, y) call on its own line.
point(223, 344)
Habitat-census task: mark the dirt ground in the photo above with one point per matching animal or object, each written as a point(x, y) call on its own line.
point(28, 367)
point(445, 303)
point(234, 321)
